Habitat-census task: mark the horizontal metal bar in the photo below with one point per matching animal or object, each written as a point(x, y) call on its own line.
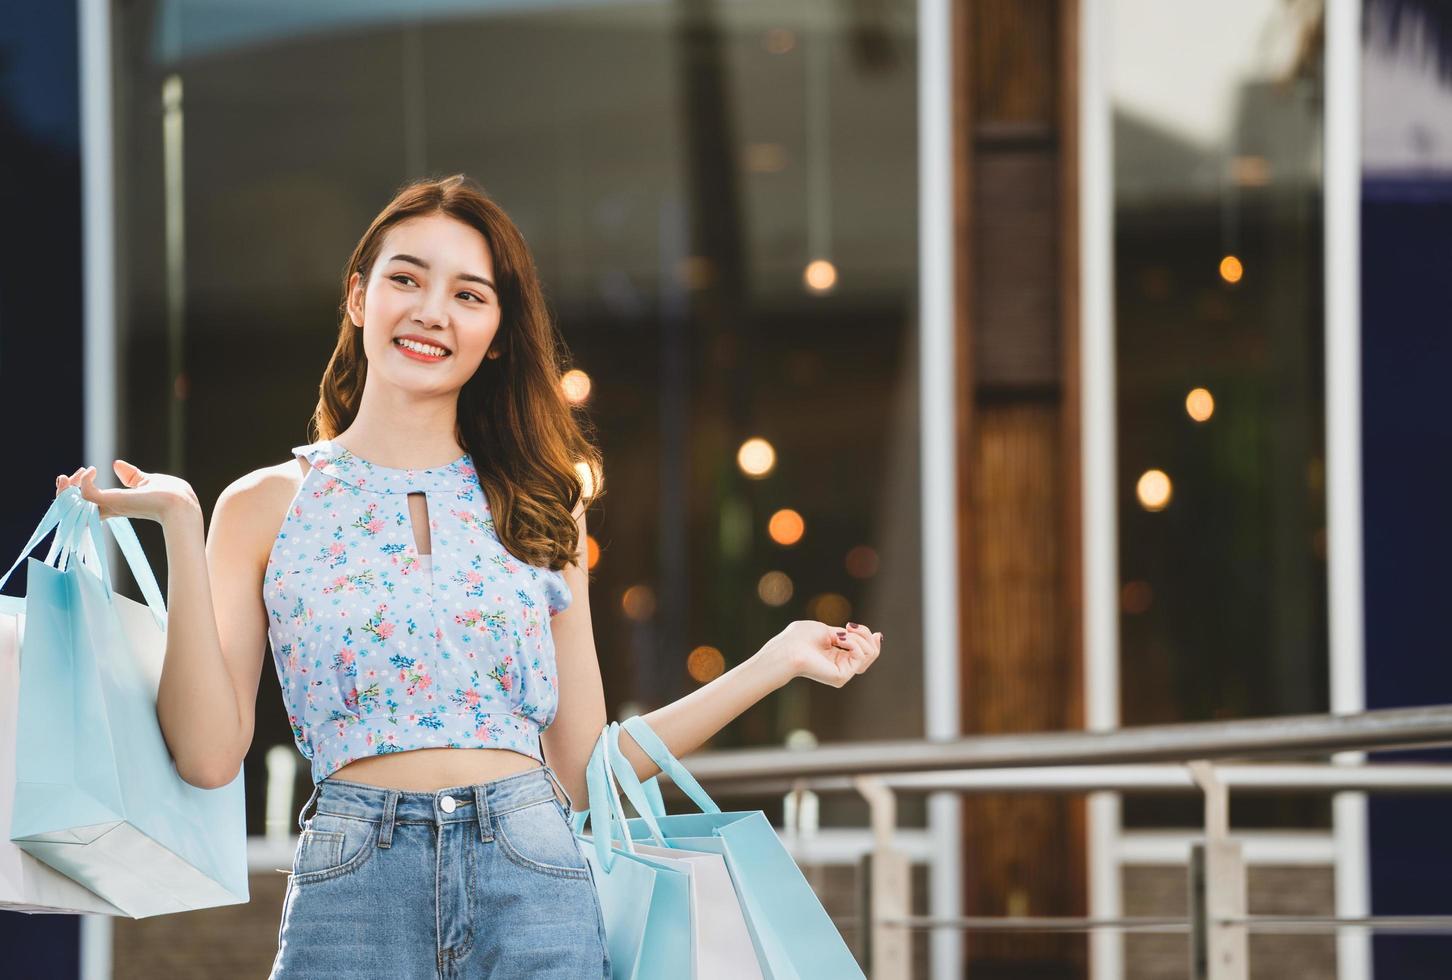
point(1431, 924)
point(1043, 923)
point(1285, 735)
point(1147, 778)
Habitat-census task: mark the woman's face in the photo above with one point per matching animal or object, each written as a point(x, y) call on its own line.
point(433, 282)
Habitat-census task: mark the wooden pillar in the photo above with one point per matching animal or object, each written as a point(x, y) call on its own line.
point(1024, 854)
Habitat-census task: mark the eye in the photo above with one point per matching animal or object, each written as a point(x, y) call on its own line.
point(400, 275)
point(479, 298)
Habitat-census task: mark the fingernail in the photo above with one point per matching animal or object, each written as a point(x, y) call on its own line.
point(841, 634)
point(851, 626)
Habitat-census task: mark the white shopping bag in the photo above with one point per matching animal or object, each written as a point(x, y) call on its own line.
point(27, 884)
point(720, 942)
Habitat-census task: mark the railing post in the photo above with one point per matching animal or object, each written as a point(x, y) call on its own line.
point(885, 899)
point(1217, 889)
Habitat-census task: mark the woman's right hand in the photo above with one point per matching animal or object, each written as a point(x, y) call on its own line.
point(153, 496)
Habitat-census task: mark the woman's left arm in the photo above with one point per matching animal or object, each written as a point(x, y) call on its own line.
point(804, 649)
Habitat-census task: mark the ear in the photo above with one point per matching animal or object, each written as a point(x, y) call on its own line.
point(355, 299)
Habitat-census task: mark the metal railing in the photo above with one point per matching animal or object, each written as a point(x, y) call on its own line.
point(1163, 758)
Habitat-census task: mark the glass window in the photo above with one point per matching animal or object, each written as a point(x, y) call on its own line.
point(1218, 319)
point(722, 203)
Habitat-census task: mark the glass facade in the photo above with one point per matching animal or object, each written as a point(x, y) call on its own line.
point(1219, 374)
point(722, 202)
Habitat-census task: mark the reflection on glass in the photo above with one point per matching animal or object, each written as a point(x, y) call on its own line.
point(722, 201)
point(1217, 194)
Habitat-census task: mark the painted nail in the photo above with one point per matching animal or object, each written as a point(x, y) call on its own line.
point(851, 626)
point(841, 634)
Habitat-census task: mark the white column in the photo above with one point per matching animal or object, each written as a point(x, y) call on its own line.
point(937, 411)
point(1097, 444)
point(98, 331)
point(1345, 599)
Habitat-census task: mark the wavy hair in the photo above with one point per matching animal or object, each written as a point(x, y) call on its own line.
point(537, 462)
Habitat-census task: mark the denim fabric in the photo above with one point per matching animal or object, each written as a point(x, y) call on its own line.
point(391, 884)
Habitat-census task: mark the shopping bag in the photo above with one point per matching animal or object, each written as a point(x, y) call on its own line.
point(645, 902)
point(794, 937)
point(720, 940)
point(26, 883)
point(97, 795)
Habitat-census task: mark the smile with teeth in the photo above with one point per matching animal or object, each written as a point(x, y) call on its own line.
point(419, 348)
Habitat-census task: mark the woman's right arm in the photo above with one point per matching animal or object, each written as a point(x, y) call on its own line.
point(216, 633)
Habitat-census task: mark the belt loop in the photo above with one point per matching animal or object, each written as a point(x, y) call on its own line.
point(481, 805)
point(385, 828)
point(303, 813)
point(569, 803)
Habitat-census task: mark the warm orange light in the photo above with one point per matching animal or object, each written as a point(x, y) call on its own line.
point(1230, 269)
point(820, 275)
point(592, 551)
point(1200, 404)
point(786, 527)
point(705, 664)
point(756, 457)
point(576, 386)
point(638, 602)
point(587, 479)
point(829, 608)
point(1154, 490)
point(774, 588)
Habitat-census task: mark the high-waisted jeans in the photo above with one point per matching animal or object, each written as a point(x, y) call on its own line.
point(473, 881)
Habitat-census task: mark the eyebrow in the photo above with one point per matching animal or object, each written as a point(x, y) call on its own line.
point(404, 257)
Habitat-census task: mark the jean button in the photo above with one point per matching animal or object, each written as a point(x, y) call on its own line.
point(447, 804)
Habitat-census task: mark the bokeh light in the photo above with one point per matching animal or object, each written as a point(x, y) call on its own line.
point(774, 588)
point(1200, 404)
point(638, 603)
point(786, 527)
point(1154, 490)
point(576, 386)
point(756, 457)
point(820, 275)
point(705, 664)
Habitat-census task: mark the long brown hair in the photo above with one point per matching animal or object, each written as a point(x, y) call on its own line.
point(513, 420)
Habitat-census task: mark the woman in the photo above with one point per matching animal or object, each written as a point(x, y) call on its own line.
point(427, 698)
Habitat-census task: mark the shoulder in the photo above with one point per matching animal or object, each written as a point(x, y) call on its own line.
point(254, 505)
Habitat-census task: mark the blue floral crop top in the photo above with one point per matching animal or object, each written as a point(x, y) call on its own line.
point(375, 651)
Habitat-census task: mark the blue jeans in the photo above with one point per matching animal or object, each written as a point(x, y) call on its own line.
point(471, 881)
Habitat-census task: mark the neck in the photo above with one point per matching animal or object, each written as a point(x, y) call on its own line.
point(410, 433)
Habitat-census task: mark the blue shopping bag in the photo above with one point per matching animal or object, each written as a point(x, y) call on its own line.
point(97, 795)
point(646, 903)
point(795, 938)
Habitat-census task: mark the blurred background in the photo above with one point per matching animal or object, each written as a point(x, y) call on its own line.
point(870, 301)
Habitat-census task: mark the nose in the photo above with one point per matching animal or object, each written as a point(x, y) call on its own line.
point(431, 311)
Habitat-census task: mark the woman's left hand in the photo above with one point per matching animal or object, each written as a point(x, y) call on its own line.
point(825, 653)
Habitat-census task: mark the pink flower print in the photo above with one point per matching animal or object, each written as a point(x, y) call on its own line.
point(374, 526)
point(346, 657)
point(500, 673)
point(471, 698)
point(377, 626)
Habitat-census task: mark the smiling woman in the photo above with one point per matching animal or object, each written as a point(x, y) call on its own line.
point(427, 707)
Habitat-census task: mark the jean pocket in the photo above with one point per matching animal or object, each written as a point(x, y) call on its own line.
point(332, 845)
point(538, 837)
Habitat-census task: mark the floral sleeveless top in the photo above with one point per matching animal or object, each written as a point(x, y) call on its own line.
point(378, 652)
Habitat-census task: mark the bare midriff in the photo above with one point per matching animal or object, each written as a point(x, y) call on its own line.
point(428, 770)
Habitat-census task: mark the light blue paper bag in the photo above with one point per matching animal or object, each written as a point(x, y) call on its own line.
point(646, 903)
point(795, 938)
point(97, 795)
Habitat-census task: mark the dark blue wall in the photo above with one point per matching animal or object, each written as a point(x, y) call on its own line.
point(40, 342)
point(1407, 469)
